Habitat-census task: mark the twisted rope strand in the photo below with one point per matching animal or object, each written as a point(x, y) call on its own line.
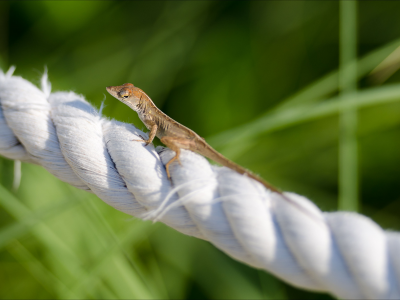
point(345, 254)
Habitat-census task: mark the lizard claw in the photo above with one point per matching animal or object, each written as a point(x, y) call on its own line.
point(142, 140)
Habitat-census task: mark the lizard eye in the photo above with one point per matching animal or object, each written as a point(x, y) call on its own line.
point(124, 94)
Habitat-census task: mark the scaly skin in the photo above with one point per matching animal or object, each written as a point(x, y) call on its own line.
point(171, 133)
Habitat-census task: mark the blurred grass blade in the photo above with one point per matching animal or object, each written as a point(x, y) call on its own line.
point(329, 83)
point(315, 91)
point(50, 282)
point(303, 113)
point(136, 284)
point(25, 225)
point(21, 212)
point(389, 66)
point(134, 236)
point(65, 258)
point(348, 148)
point(17, 175)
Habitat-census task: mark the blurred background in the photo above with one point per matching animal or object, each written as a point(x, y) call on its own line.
point(259, 80)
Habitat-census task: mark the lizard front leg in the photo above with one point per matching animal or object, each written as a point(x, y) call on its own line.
point(152, 134)
point(176, 144)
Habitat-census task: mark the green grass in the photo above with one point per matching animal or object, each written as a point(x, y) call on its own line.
point(348, 119)
point(282, 87)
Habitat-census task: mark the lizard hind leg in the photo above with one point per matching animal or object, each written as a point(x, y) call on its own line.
point(176, 144)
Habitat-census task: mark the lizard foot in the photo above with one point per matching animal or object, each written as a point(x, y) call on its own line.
point(142, 140)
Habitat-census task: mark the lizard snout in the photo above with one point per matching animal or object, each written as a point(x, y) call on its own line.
point(110, 89)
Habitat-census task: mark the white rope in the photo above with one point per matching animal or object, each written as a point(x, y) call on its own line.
point(345, 254)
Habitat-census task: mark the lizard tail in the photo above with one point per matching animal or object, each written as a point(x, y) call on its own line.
point(210, 153)
point(207, 151)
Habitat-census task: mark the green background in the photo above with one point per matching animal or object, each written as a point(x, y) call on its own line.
point(259, 80)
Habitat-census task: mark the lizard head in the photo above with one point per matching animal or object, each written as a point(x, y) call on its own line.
point(126, 93)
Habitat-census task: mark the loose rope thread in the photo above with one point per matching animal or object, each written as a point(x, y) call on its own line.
point(346, 254)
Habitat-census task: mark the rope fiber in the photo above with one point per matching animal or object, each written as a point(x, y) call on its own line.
point(345, 254)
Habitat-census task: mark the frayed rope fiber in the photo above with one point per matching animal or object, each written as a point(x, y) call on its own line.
point(345, 254)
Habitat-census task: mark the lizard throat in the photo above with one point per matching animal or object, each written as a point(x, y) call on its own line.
point(130, 104)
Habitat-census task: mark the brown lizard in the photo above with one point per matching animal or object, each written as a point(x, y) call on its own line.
point(177, 137)
point(171, 133)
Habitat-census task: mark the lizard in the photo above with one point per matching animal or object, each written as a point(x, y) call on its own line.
point(176, 137)
point(173, 134)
